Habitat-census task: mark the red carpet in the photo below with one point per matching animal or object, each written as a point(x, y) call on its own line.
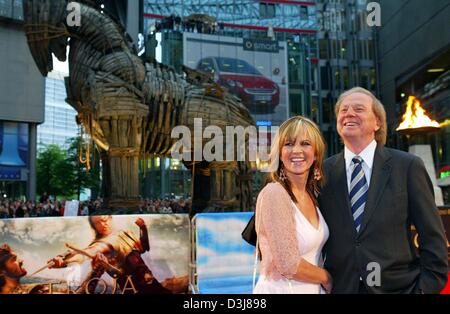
point(447, 287)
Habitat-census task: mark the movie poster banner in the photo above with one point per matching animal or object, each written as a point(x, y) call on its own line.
point(133, 254)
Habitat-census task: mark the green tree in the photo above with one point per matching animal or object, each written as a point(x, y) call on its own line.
point(54, 173)
point(82, 178)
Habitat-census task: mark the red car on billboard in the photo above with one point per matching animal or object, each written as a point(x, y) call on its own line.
point(242, 80)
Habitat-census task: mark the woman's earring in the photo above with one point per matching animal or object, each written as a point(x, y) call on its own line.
point(317, 175)
point(282, 174)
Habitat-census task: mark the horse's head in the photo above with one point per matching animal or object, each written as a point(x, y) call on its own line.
point(46, 31)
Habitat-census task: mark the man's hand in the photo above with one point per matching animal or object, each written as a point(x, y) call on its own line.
point(58, 262)
point(99, 262)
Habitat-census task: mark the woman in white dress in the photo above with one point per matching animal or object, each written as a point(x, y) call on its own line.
point(291, 230)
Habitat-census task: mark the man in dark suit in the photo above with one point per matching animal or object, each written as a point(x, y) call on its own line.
point(372, 197)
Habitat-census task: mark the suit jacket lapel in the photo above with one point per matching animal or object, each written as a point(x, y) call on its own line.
point(380, 176)
point(341, 189)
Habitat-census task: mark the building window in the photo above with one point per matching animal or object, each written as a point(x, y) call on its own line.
point(333, 20)
point(12, 9)
point(342, 49)
point(324, 77)
point(364, 50)
point(266, 10)
point(365, 78)
point(345, 78)
point(373, 79)
point(296, 103)
point(327, 110)
point(323, 49)
point(362, 21)
point(303, 12)
point(337, 79)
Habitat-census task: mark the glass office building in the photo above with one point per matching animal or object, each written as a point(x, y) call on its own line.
point(346, 53)
point(416, 62)
point(60, 124)
point(21, 106)
point(210, 34)
point(290, 22)
point(327, 45)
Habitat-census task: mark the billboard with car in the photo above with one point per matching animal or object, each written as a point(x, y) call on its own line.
point(253, 70)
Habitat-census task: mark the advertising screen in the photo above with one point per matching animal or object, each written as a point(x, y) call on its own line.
point(13, 144)
point(253, 70)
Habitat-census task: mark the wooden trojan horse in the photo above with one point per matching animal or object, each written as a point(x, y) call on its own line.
point(129, 107)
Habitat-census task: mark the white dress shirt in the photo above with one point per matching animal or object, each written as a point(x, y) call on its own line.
point(367, 156)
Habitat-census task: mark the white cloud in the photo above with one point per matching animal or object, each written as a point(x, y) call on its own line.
point(215, 263)
point(234, 264)
point(227, 231)
point(43, 231)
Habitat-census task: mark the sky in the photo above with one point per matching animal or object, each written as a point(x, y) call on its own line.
point(64, 66)
point(61, 66)
point(221, 251)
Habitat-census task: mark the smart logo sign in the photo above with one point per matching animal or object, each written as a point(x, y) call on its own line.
point(261, 45)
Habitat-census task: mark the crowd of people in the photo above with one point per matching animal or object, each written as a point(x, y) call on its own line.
point(21, 209)
point(165, 206)
point(46, 207)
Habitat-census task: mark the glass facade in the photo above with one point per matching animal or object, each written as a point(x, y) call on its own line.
point(291, 24)
point(14, 159)
point(235, 13)
point(329, 46)
point(11, 9)
point(346, 52)
point(60, 124)
point(165, 178)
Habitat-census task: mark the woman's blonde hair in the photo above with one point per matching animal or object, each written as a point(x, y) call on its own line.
point(291, 129)
point(377, 108)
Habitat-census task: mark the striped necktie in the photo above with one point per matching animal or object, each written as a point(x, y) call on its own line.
point(358, 191)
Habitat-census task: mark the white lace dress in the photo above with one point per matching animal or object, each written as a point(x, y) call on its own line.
point(310, 241)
